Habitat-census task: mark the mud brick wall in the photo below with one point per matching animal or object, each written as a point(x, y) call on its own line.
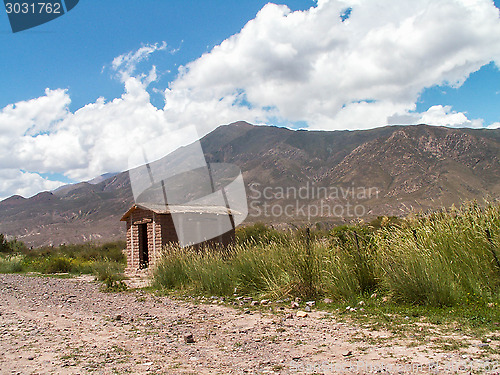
point(153, 235)
point(160, 231)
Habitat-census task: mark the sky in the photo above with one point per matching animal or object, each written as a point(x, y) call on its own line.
point(79, 92)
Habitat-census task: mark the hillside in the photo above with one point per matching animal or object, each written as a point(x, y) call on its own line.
point(390, 171)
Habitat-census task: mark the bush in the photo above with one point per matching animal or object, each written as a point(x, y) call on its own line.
point(111, 274)
point(12, 246)
point(57, 265)
point(4, 245)
point(12, 264)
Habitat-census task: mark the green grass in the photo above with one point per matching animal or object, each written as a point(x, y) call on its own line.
point(11, 264)
point(446, 258)
point(105, 261)
point(443, 259)
point(420, 322)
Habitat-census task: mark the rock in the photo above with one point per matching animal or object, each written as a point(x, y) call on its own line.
point(30, 358)
point(298, 299)
point(308, 308)
point(301, 314)
point(374, 295)
point(118, 317)
point(348, 354)
point(310, 303)
point(361, 303)
point(264, 302)
point(295, 305)
point(328, 300)
point(254, 303)
point(189, 339)
point(385, 299)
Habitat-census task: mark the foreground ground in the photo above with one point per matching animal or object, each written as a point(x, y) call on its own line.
point(68, 326)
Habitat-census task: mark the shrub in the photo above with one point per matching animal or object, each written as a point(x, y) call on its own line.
point(57, 264)
point(111, 274)
point(4, 245)
point(12, 264)
point(12, 246)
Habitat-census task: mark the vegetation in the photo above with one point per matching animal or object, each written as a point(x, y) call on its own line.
point(447, 258)
point(105, 261)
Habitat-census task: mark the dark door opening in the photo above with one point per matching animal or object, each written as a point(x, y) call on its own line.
point(143, 246)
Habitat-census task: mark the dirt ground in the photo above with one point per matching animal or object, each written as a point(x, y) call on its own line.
point(68, 326)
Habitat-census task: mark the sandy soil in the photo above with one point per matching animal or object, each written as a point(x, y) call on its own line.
point(67, 326)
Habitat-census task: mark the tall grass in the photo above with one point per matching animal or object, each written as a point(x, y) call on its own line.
point(349, 268)
point(273, 268)
point(11, 264)
point(444, 258)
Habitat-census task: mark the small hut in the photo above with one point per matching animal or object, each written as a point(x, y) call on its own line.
point(150, 227)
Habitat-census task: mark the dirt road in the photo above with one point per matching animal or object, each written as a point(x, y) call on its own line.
point(67, 326)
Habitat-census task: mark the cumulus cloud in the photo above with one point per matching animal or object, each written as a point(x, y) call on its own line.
point(43, 136)
point(437, 115)
point(312, 66)
point(14, 181)
point(342, 64)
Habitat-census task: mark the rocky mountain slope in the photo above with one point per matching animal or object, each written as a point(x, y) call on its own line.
point(291, 176)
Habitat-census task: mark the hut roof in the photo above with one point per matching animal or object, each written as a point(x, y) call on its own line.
point(178, 209)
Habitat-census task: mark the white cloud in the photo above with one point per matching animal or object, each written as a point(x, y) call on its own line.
point(126, 63)
point(81, 145)
point(310, 66)
point(437, 115)
point(14, 181)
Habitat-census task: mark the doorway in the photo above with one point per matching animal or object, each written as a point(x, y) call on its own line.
point(143, 246)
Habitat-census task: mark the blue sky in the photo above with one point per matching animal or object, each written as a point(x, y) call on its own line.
point(79, 90)
point(71, 51)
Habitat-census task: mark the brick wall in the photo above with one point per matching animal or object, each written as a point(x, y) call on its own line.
point(160, 231)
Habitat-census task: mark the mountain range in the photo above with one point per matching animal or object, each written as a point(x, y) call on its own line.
point(292, 177)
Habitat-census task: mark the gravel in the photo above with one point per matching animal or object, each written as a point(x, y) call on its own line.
point(68, 326)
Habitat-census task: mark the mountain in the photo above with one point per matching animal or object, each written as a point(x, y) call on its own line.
point(291, 176)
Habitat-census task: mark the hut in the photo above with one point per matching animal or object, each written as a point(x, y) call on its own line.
point(150, 227)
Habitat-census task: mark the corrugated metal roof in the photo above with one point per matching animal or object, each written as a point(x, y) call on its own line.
point(179, 209)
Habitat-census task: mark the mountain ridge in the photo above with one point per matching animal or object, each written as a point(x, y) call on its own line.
point(414, 167)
